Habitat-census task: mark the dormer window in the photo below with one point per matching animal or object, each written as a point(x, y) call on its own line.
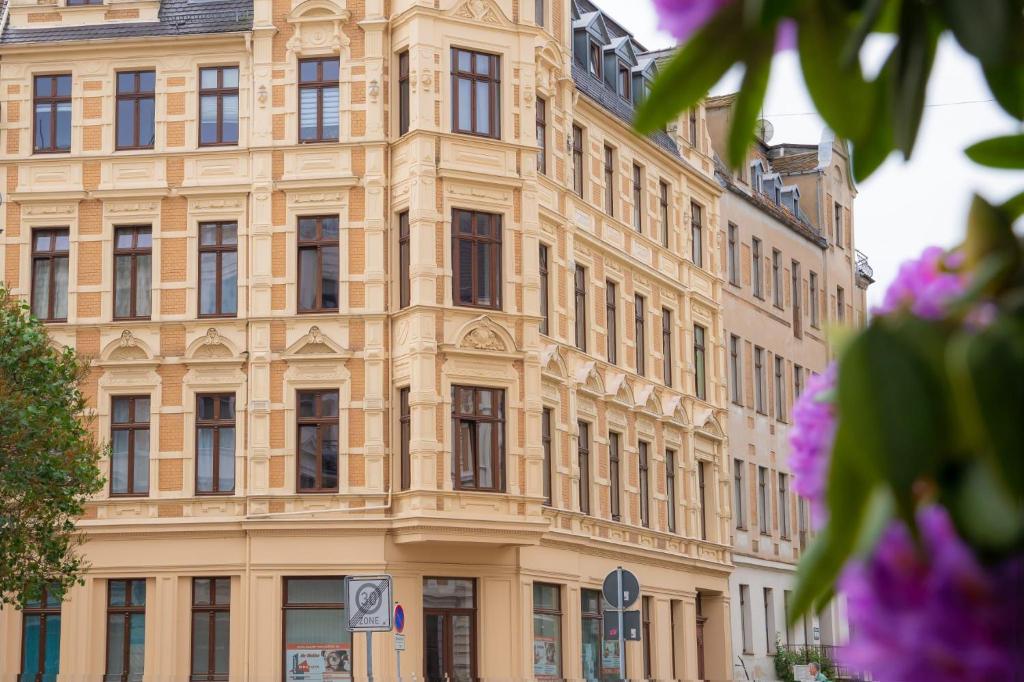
point(79, 3)
point(595, 59)
point(625, 81)
point(755, 176)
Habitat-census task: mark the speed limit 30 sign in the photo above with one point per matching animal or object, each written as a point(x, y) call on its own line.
point(368, 602)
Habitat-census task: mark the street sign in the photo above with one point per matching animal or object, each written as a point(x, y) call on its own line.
point(399, 642)
point(630, 625)
point(368, 602)
point(399, 619)
point(629, 593)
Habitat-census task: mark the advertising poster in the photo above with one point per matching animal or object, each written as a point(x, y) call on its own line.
point(545, 657)
point(318, 662)
point(610, 657)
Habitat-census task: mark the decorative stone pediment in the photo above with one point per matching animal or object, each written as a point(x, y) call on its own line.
point(672, 407)
point(126, 348)
point(486, 11)
point(588, 378)
point(642, 393)
point(211, 346)
point(318, 27)
point(711, 427)
point(617, 387)
point(314, 343)
point(484, 334)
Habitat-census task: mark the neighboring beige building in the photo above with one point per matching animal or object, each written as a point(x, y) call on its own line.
point(340, 324)
point(791, 273)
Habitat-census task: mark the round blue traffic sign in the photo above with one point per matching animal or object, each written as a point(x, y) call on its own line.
point(399, 618)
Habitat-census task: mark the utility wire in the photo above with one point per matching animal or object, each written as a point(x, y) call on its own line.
point(937, 104)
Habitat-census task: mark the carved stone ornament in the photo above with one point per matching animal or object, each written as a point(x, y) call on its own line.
point(127, 339)
point(212, 337)
point(482, 338)
point(478, 10)
point(314, 335)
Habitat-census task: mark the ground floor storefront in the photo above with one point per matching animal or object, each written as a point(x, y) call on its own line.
point(267, 604)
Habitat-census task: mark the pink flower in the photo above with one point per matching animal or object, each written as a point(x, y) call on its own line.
point(933, 613)
point(683, 18)
point(810, 441)
point(925, 286)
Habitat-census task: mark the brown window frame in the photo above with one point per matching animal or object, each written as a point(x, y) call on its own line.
point(609, 180)
point(777, 297)
point(663, 209)
point(697, 234)
point(757, 271)
point(546, 440)
point(638, 198)
point(759, 381)
point(735, 369)
point(640, 334)
point(493, 80)
point(538, 13)
point(79, 3)
point(693, 127)
point(700, 370)
point(702, 495)
point(44, 609)
point(763, 503)
point(128, 609)
point(625, 84)
point(311, 606)
point(733, 260)
point(319, 243)
point(611, 316)
point(783, 483)
point(555, 612)
point(491, 240)
point(797, 299)
point(838, 224)
point(216, 423)
point(583, 462)
point(596, 58)
point(542, 132)
point(475, 418)
point(404, 261)
point(320, 421)
point(798, 380)
point(131, 426)
point(53, 100)
point(220, 92)
point(211, 609)
point(739, 493)
point(404, 99)
point(134, 252)
point(840, 304)
point(780, 388)
point(643, 454)
point(577, 160)
point(670, 488)
point(446, 613)
point(543, 255)
point(51, 256)
point(580, 306)
point(615, 475)
point(645, 626)
point(320, 84)
point(219, 248)
point(666, 346)
point(136, 96)
point(404, 439)
point(812, 292)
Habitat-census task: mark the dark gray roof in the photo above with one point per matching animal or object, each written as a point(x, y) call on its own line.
point(600, 93)
point(615, 29)
point(176, 18)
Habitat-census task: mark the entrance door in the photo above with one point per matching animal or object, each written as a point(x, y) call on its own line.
point(449, 629)
point(700, 647)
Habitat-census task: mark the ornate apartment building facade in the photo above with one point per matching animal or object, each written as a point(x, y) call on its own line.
point(791, 272)
point(371, 287)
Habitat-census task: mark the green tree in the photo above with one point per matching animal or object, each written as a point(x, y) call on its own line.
point(48, 457)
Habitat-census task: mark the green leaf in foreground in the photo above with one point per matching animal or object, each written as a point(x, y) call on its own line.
point(749, 99)
point(998, 152)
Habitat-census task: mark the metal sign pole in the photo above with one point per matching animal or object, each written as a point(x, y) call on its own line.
point(398, 664)
point(369, 656)
point(622, 641)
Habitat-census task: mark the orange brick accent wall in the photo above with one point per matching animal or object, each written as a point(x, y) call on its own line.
point(90, 262)
point(121, 14)
point(172, 213)
point(92, 138)
point(90, 181)
point(87, 342)
point(176, 82)
point(40, 17)
point(172, 340)
point(175, 171)
point(172, 259)
point(176, 134)
point(277, 428)
point(92, 85)
point(89, 304)
point(13, 141)
point(356, 471)
point(13, 112)
point(171, 436)
point(171, 377)
point(172, 301)
point(92, 107)
point(277, 471)
point(166, 510)
point(169, 472)
point(13, 260)
point(175, 103)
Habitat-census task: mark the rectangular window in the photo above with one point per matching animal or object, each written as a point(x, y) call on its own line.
point(317, 441)
point(641, 336)
point(638, 198)
point(745, 625)
point(129, 445)
point(547, 632)
point(318, 264)
point(215, 443)
point(769, 619)
point(40, 638)
point(670, 488)
point(611, 314)
point(609, 180)
point(583, 460)
point(759, 380)
point(50, 274)
point(404, 276)
point(549, 461)
point(126, 630)
point(577, 159)
point(133, 274)
point(763, 509)
point(699, 369)
point(51, 120)
point(449, 629)
point(780, 390)
point(735, 369)
point(702, 494)
point(739, 493)
point(545, 296)
point(211, 629)
point(784, 506)
point(666, 345)
point(798, 381)
point(218, 105)
point(777, 278)
point(404, 438)
point(476, 259)
point(614, 474)
point(696, 235)
point(596, 62)
point(315, 628)
point(666, 228)
point(476, 93)
point(645, 616)
point(600, 656)
point(758, 273)
point(625, 81)
point(538, 12)
point(798, 315)
point(319, 104)
point(812, 284)
point(542, 132)
point(580, 288)
point(478, 438)
point(218, 269)
point(734, 255)
point(403, 92)
point(136, 108)
point(645, 488)
point(839, 224)
point(693, 127)
point(840, 304)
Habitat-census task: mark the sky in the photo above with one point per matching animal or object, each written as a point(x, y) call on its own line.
point(904, 206)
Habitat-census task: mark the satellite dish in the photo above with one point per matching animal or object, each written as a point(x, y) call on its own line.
point(764, 129)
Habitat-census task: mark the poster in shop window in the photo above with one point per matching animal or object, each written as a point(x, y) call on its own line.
point(318, 662)
point(545, 657)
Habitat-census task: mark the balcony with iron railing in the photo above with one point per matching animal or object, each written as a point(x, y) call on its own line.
point(864, 268)
point(804, 654)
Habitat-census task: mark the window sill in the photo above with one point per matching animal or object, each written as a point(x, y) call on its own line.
point(485, 136)
point(51, 151)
